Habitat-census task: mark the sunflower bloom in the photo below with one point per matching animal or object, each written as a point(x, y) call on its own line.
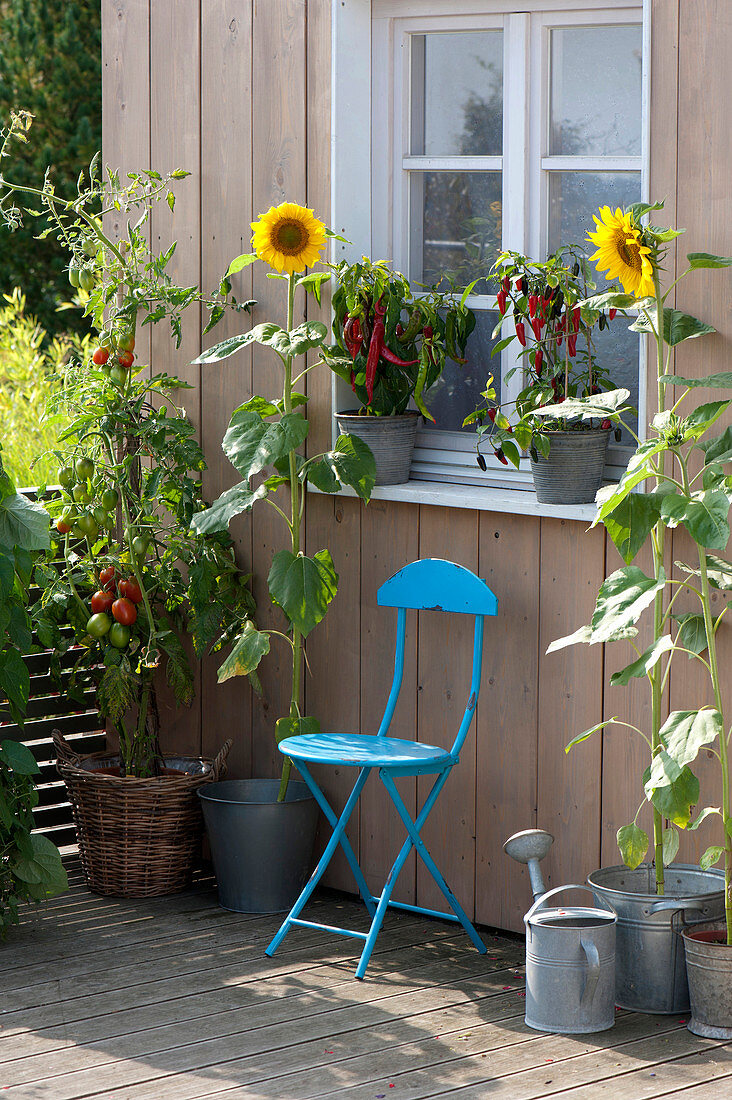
point(621, 252)
point(288, 237)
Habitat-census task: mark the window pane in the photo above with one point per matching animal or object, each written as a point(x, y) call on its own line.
point(595, 91)
point(457, 94)
point(455, 222)
point(457, 392)
point(573, 198)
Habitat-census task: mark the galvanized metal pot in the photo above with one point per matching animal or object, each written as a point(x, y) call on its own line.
point(572, 471)
point(709, 968)
point(391, 439)
point(262, 849)
point(650, 973)
point(570, 966)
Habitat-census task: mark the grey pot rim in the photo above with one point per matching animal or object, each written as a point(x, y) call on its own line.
point(208, 794)
point(652, 896)
point(573, 431)
point(354, 414)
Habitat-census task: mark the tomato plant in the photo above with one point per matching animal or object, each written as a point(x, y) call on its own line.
point(130, 589)
point(100, 356)
point(101, 601)
point(124, 611)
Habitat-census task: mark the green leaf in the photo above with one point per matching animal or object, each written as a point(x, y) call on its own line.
point(260, 334)
point(240, 262)
point(609, 299)
point(638, 470)
point(14, 678)
point(643, 665)
point(232, 502)
point(23, 523)
point(670, 839)
point(588, 733)
point(313, 283)
point(712, 855)
point(706, 259)
point(708, 811)
point(722, 380)
point(19, 758)
point(705, 516)
point(582, 635)
point(683, 734)
point(719, 573)
point(48, 858)
point(691, 635)
point(677, 326)
point(598, 406)
point(703, 416)
point(295, 727)
point(621, 600)
point(117, 692)
point(250, 443)
point(178, 670)
point(249, 649)
point(305, 337)
point(303, 587)
point(630, 523)
point(349, 463)
point(633, 845)
point(719, 449)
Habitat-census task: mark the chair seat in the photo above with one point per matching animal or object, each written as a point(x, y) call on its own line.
point(363, 750)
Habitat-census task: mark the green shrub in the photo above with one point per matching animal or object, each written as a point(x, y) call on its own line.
point(31, 375)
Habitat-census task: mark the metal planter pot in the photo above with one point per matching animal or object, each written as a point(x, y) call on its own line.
point(650, 972)
point(262, 849)
point(391, 439)
point(572, 471)
point(709, 968)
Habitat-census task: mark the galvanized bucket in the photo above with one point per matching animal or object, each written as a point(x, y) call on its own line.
point(391, 439)
point(572, 471)
point(709, 967)
point(651, 969)
point(570, 966)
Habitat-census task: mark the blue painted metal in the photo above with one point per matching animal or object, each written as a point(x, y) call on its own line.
point(431, 584)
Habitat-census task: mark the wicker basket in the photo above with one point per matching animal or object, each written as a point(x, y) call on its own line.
point(138, 838)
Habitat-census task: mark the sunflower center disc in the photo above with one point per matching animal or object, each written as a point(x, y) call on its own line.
point(290, 237)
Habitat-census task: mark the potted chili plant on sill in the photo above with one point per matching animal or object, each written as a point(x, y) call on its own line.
point(540, 301)
point(126, 572)
point(262, 831)
point(391, 346)
point(684, 464)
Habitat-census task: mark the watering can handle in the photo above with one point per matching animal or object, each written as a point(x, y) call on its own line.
point(557, 890)
point(670, 903)
point(593, 972)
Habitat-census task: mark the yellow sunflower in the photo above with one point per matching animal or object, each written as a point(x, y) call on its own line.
point(621, 252)
point(288, 237)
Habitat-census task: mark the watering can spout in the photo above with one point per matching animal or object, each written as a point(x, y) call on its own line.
point(530, 846)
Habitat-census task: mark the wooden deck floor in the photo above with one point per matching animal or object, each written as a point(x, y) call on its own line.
point(173, 999)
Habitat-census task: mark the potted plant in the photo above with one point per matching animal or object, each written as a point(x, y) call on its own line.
point(651, 899)
point(125, 570)
point(558, 360)
point(30, 866)
point(262, 831)
point(391, 347)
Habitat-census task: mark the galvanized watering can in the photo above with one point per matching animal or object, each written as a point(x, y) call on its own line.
point(570, 951)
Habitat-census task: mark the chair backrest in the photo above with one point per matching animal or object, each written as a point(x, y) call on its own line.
point(433, 584)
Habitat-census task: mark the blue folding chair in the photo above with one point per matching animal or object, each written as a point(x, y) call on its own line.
point(433, 585)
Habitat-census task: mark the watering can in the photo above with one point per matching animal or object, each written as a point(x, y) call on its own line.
point(570, 951)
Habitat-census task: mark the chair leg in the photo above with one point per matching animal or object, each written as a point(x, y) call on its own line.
point(337, 838)
point(413, 829)
point(382, 907)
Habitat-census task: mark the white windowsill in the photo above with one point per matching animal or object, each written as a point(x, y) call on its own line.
point(483, 499)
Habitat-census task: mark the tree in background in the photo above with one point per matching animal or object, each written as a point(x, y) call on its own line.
point(50, 65)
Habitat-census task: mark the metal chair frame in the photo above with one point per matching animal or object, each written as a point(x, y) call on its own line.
point(428, 584)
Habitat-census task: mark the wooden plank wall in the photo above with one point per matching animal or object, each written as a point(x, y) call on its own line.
point(237, 92)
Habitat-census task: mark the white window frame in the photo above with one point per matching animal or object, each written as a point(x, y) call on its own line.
point(370, 40)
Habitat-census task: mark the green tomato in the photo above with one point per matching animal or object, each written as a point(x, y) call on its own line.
point(110, 499)
point(140, 544)
point(99, 625)
point(74, 275)
point(88, 525)
point(77, 532)
point(119, 635)
point(84, 468)
point(91, 246)
point(118, 375)
point(69, 515)
point(67, 478)
point(100, 515)
point(86, 279)
point(81, 494)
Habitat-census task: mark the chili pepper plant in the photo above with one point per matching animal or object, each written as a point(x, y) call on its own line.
point(265, 438)
point(683, 463)
point(390, 344)
point(126, 571)
point(540, 301)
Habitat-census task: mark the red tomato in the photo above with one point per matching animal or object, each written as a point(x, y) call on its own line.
point(124, 611)
point(62, 526)
point(125, 359)
point(101, 601)
point(106, 578)
point(131, 589)
point(100, 357)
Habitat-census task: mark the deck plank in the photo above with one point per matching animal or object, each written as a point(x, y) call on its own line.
point(174, 999)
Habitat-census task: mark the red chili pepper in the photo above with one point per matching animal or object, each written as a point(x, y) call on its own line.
point(356, 336)
point(520, 333)
point(388, 354)
point(538, 359)
point(427, 332)
point(519, 285)
point(533, 299)
point(399, 328)
point(605, 424)
point(506, 284)
point(375, 348)
point(611, 313)
point(576, 314)
point(501, 300)
point(537, 327)
point(501, 456)
point(491, 415)
point(572, 346)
